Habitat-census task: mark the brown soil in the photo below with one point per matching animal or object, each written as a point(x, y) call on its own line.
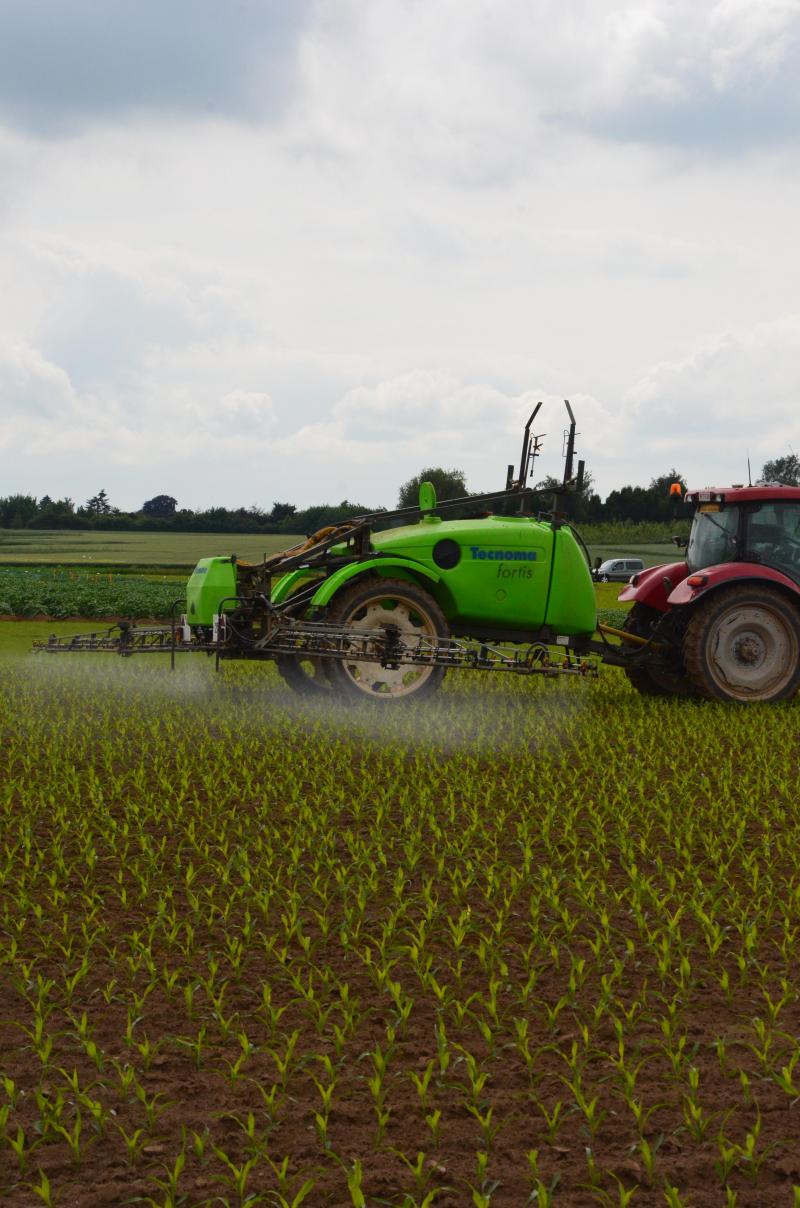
point(195, 1095)
point(201, 1022)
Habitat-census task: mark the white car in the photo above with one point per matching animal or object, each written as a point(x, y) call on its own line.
point(617, 570)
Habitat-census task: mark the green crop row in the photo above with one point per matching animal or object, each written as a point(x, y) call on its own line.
point(65, 593)
point(58, 592)
point(530, 943)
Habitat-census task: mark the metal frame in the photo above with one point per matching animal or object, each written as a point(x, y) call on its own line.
point(324, 640)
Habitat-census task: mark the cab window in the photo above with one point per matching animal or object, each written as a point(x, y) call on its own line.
point(714, 537)
point(772, 536)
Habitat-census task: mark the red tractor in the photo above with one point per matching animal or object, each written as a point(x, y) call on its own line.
point(725, 623)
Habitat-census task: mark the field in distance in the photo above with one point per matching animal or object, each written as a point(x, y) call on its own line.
point(67, 548)
point(90, 548)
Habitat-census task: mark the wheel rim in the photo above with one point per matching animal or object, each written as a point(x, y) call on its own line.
point(411, 620)
point(753, 652)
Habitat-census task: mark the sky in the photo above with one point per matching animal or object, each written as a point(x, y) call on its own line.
point(298, 250)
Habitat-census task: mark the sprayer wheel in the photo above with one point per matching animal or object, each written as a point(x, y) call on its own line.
point(372, 604)
point(305, 676)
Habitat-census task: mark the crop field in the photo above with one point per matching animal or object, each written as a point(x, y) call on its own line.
point(60, 592)
point(64, 547)
point(528, 943)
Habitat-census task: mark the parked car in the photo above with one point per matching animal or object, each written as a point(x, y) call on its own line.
point(617, 570)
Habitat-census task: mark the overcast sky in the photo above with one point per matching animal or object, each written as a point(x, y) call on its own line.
point(259, 250)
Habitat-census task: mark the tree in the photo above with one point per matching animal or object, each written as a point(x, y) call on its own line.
point(665, 505)
point(16, 511)
point(629, 503)
point(449, 484)
point(280, 512)
point(655, 502)
point(57, 514)
point(586, 504)
point(785, 470)
point(98, 505)
point(161, 507)
point(320, 516)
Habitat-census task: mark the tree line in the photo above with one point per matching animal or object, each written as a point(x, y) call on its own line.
point(629, 504)
point(162, 514)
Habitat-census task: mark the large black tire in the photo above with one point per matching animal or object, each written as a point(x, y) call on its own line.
point(652, 679)
point(743, 644)
point(375, 602)
point(305, 676)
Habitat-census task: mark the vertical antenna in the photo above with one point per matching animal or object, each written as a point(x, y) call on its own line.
point(749, 475)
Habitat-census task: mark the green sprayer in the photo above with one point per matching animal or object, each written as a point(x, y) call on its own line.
point(379, 607)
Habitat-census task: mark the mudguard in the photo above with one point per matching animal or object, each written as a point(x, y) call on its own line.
point(407, 567)
point(647, 586)
point(730, 572)
point(287, 583)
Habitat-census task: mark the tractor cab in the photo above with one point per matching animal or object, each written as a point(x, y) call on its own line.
point(746, 524)
point(724, 623)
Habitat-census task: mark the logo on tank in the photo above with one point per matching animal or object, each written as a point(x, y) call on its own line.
point(502, 557)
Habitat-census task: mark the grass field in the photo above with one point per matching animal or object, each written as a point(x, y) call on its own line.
point(58, 548)
point(531, 942)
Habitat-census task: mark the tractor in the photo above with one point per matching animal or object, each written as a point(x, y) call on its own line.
point(378, 608)
point(723, 623)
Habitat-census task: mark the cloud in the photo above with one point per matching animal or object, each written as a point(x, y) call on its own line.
point(735, 395)
point(109, 305)
point(394, 427)
point(482, 94)
point(246, 412)
point(739, 392)
point(30, 386)
point(723, 76)
point(62, 68)
point(432, 213)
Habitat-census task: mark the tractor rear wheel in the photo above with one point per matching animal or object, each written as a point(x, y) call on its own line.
point(652, 679)
point(373, 604)
point(743, 644)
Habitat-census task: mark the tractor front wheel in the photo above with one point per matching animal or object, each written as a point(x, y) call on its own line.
point(653, 678)
point(375, 604)
point(743, 644)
